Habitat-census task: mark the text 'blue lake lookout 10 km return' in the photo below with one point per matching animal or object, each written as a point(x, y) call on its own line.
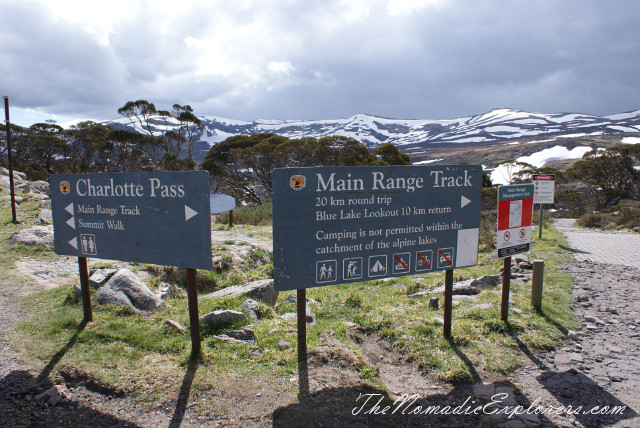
point(346, 224)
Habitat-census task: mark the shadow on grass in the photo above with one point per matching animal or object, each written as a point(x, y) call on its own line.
point(46, 371)
point(185, 392)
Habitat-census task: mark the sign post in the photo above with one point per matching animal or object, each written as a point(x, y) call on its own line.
point(160, 218)
point(515, 211)
point(12, 191)
point(543, 193)
point(336, 225)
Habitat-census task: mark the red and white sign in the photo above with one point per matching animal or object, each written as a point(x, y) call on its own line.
point(543, 188)
point(515, 212)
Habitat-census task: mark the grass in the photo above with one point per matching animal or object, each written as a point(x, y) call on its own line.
point(624, 215)
point(135, 354)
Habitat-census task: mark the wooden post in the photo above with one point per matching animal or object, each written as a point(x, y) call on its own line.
point(506, 283)
point(194, 319)
point(448, 302)
point(84, 288)
point(540, 229)
point(302, 326)
point(231, 218)
point(12, 190)
point(536, 284)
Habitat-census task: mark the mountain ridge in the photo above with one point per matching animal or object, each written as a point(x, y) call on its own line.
point(497, 125)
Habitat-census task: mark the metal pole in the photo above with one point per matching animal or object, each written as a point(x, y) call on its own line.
point(448, 302)
point(540, 230)
point(84, 288)
point(506, 283)
point(536, 284)
point(194, 320)
point(10, 160)
point(302, 326)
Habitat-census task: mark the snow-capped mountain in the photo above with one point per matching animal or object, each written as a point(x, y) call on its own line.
point(495, 126)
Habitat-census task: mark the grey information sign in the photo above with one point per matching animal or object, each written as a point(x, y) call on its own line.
point(160, 218)
point(336, 225)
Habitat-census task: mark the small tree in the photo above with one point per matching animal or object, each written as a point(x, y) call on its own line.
point(189, 123)
point(139, 112)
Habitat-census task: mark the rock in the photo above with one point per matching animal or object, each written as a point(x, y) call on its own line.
point(17, 198)
point(126, 289)
point(100, 277)
point(482, 306)
point(483, 391)
point(222, 317)
point(259, 290)
point(230, 339)
point(572, 335)
point(433, 303)
point(310, 316)
point(249, 307)
point(37, 235)
point(171, 291)
point(40, 187)
point(176, 326)
point(469, 286)
point(77, 290)
point(245, 333)
point(58, 391)
point(283, 344)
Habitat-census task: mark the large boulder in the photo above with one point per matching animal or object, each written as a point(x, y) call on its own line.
point(259, 290)
point(37, 235)
point(126, 289)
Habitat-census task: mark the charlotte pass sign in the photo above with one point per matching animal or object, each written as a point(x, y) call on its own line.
point(346, 224)
point(161, 218)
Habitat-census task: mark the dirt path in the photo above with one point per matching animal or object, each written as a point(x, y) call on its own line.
point(600, 364)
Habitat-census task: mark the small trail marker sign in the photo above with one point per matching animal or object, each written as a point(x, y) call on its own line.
point(344, 224)
point(515, 210)
point(544, 188)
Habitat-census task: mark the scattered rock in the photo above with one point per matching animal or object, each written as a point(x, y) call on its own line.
point(40, 186)
point(52, 396)
point(283, 344)
point(482, 306)
point(245, 333)
point(222, 317)
point(100, 277)
point(176, 326)
point(126, 289)
point(171, 291)
point(310, 316)
point(45, 216)
point(259, 290)
point(37, 235)
point(249, 307)
point(573, 336)
point(17, 198)
point(469, 286)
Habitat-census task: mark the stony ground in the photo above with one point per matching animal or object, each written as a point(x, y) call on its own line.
point(597, 366)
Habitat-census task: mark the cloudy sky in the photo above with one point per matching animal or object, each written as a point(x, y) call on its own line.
point(71, 60)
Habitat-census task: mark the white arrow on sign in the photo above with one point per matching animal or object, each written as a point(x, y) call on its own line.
point(69, 208)
point(189, 213)
point(74, 243)
point(71, 223)
point(464, 201)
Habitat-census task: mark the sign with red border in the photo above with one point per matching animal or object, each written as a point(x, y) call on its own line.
point(515, 212)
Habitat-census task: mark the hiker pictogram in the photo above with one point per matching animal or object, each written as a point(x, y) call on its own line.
point(326, 271)
point(352, 268)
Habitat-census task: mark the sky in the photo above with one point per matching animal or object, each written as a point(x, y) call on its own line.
point(74, 60)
